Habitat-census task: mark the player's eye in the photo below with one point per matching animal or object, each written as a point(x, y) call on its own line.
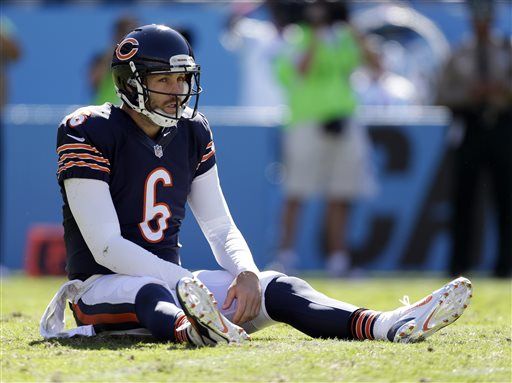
point(163, 79)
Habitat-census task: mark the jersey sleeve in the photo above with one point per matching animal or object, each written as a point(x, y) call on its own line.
point(206, 148)
point(82, 148)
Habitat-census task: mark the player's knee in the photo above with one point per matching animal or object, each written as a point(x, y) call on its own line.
point(263, 320)
point(266, 277)
point(152, 292)
point(144, 281)
point(284, 285)
point(287, 294)
point(156, 310)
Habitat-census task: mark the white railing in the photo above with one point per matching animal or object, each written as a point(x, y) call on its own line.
point(41, 114)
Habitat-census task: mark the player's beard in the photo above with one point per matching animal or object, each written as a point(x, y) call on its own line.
point(176, 100)
point(153, 107)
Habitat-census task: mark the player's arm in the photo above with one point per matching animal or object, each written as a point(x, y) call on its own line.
point(208, 205)
point(94, 212)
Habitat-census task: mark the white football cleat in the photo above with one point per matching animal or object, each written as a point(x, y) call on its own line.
point(199, 305)
point(420, 320)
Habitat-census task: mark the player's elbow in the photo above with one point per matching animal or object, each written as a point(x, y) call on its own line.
point(103, 250)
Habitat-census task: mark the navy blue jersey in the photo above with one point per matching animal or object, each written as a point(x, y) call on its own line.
point(149, 179)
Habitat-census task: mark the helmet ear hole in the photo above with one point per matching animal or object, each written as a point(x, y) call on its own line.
point(130, 87)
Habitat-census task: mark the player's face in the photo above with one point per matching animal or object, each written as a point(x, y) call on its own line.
point(169, 84)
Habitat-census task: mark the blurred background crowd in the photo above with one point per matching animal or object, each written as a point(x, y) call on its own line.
point(352, 136)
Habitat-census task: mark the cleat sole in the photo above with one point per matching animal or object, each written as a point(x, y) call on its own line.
point(197, 302)
point(453, 299)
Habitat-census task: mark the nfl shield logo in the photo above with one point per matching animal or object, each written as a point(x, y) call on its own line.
point(159, 152)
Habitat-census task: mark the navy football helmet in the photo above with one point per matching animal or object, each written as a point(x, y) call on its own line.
point(152, 49)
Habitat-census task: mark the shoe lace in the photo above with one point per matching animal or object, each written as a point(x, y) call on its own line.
point(405, 300)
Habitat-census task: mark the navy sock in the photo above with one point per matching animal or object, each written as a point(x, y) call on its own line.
point(160, 321)
point(293, 301)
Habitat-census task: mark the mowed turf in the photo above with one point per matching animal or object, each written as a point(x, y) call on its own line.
point(476, 348)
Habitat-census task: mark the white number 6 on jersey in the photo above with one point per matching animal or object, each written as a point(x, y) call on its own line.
point(155, 211)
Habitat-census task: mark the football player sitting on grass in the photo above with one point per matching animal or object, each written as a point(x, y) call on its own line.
point(126, 174)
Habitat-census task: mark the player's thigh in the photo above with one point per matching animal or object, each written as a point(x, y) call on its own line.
point(218, 282)
point(109, 302)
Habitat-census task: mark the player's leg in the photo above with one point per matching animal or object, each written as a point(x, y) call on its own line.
point(289, 300)
point(119, 304)
point(293, 301)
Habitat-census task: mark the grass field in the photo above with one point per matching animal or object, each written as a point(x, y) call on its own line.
point(476, 348)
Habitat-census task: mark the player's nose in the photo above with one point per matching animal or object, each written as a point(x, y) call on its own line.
point(175, 86)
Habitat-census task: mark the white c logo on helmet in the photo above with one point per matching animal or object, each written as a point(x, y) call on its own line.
point(135, 47)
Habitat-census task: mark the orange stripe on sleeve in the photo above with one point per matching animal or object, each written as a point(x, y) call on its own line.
point(207, 156)
point(77, 146)
point(83, 156)
point(103, 318)
point(82, 164)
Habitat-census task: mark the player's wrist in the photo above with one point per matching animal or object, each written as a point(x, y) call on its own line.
point(247, 274)
point(249, 279)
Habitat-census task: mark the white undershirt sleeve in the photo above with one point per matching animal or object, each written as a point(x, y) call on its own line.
point(94, 212)
point(208, 205)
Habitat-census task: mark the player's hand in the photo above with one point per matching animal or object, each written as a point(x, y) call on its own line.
point(246, 289)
